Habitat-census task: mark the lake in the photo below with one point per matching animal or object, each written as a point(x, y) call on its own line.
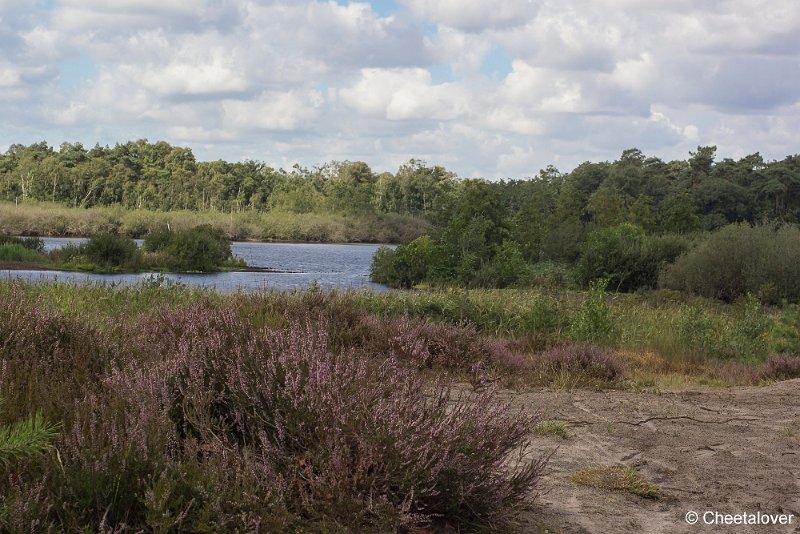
point(304, 264)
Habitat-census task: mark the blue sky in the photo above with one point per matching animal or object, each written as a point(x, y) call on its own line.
point(494, 89)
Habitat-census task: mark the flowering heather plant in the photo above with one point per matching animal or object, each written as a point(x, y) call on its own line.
point(784, 366)
point(361, 443)
point(197, 420)
point(439, 345)
point(45, 356)
point(587, 360)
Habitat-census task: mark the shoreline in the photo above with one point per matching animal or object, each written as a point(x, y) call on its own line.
point(268, 242)
point(30, 266)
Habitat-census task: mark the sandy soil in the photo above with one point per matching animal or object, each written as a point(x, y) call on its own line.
point(727, 450)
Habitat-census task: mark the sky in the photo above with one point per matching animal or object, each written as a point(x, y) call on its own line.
point(494, 89)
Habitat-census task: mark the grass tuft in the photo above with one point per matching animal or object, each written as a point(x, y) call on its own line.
point(555, 428)
point(617, 478)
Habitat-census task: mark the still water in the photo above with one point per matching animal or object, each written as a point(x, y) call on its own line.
point(303, 264)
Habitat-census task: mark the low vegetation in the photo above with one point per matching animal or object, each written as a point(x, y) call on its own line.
point(177, 408)
point(57, 220)
point(199, 249)
point(554, 428)
point(201, 416)
point(617, 478)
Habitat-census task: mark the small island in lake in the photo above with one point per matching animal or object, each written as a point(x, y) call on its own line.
point(202, 249)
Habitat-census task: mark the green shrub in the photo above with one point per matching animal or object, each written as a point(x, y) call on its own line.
point(698, 331)
point(505, 269)
point(738, 259)
point(627, 257)
point(382, 269)
point(25, 438)
point(785, 334)
point(405, 266)
point(202, 248)
point(593, 321)
point(749, 340)
point(549, 275)
point(110, 250)
point(157, 239)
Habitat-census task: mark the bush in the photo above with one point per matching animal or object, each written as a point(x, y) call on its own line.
point(738, 259)
point(31, 243)
point(110, 250)
point(593, 322)
point(382, 269)
point(505, 269)
point(784, 366)
point(202, 248)
point(423, 344)
point(405, 266)
point(627, 257)
point(157, 239)
point(587, 360)
point(549, 275)
point(25, 438)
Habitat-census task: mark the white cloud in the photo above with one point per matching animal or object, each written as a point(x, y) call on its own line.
point(310, 80)
point(8, 77)
point(211, 77)
point(404, 94)
point(474, 15)
point(274, 111)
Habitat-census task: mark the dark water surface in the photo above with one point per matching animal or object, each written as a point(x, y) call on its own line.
point(329, 266)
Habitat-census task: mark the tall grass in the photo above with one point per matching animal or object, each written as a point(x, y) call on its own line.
point(16, 252)
point(46, 219)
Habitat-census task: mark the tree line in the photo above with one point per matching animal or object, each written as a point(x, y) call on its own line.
point(159, 176)
point(638, 211)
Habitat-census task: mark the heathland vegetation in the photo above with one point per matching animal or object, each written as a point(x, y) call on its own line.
point(164, 408)
point(169, 408)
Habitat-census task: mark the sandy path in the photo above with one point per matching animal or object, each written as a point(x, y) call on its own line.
point(732, 451)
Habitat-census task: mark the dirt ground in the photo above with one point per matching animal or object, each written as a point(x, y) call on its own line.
point(726, 450)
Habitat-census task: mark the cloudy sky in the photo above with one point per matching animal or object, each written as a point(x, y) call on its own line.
point(486, 88)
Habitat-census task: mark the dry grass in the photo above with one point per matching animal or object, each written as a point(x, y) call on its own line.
point(617, 478)
point(553, 428)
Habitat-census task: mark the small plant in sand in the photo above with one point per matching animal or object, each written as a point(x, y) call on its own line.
point(617, 478)
point(555, 428)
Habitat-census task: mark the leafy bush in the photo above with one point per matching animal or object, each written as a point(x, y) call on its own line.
point(785, 334)
point(593, 322)
point(202, 248)
point(110, 250)
point(158, 239)
point(25, 438)
point(382, 269)
point(505, 269)
point(738, 259)
point(405, 266)
point(627, 257)
point(549, 275)
point(698, 331)
point(441, 346)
